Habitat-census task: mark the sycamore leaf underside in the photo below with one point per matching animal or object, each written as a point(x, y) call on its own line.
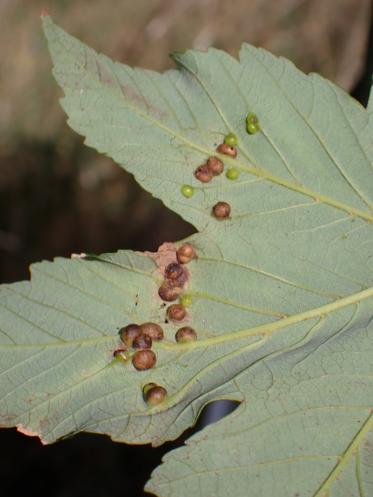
point(282, 295)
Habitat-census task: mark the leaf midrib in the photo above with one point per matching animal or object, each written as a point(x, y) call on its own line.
point(266, 329)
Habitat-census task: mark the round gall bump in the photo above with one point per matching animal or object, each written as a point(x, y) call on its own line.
point(129, 333)
point(144, 359)
point(174, 271)
point(185, 253)
point(252, 123)
point(232, 173)
point(231, 140)
point(203, 173)
point(176, 312)
point(142, 342)
point(154, 394)
point(227, 150)
point(187, 191)
point(215, 165)
point(185, 334)
point(152, 330)
point(169, 292)
point(221, 210)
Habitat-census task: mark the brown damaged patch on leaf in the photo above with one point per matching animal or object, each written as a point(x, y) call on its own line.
point(170, 289)
point(107, 76)
point(165, 256)
point(131, 94)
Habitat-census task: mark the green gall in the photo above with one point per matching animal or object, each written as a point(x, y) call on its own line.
point(232, 173)
point(252, 123)
point(251, 128)
point(231, 140)
point(187, 191)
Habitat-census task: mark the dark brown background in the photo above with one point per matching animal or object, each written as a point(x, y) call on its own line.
point(59, 197)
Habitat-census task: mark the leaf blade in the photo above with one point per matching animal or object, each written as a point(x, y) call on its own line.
point(281, 292)
point(209, 97)
point(325, 424)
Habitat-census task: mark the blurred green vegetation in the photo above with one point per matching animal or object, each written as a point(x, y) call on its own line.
point(56, 195)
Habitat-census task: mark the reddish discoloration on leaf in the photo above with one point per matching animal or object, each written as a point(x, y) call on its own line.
point(107, 76)
point(170, 289)
point(130, 93)
point(165, 256)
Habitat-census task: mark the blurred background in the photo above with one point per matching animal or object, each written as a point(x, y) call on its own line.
point(59, 197)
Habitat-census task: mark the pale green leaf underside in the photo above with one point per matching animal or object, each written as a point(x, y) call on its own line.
point(282, 291)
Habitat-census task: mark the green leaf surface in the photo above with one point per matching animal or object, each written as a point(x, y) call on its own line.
point(282, 296)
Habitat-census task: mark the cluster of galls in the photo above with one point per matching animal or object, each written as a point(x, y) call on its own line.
point(252, 123)
point(175, 277)
point(171, 288)
point(140, 338)
point(213, 167)
point(137, 339)
point(222, 210)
